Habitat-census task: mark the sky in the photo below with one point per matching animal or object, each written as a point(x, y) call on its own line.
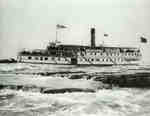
point(32, 23)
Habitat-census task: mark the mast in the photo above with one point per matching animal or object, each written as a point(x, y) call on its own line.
point(56, 39)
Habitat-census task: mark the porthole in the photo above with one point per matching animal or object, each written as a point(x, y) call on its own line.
point(46, 58)
point(29, 57)
point(107, 60)
point(135, 54)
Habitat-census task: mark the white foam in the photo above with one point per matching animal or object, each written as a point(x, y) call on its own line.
point(105, 102)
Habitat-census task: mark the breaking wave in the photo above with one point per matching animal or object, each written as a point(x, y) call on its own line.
point(16, 67)
point(111, 102)
point(116, 102)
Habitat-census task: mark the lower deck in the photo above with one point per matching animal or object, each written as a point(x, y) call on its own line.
point(80, 60)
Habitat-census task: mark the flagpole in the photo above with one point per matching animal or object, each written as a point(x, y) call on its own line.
point(57, 28)
point(142, 41)
point(56, 34)
point(105, 36)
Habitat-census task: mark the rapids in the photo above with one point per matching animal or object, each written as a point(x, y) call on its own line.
point(110, 102)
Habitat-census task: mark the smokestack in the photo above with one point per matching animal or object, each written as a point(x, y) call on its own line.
point(92, 37)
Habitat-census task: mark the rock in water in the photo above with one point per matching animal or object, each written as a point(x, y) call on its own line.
point(63, 90)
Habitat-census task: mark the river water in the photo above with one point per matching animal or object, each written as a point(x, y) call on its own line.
point(108, 102)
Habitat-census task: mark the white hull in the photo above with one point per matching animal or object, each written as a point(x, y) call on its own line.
point(80, 60)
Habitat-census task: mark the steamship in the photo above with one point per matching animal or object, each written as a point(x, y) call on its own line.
point(56, 53)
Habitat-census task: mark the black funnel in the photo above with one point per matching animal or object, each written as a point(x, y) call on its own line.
point(92, 37)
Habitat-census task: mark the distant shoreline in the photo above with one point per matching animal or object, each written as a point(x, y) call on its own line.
point(11, 60)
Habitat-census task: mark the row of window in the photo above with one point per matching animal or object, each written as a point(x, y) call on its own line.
point(38, 58)
point(115, 54)
point(103, 60)
point(44, 58)
point(89, 59)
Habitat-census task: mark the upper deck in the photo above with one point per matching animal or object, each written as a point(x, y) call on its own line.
point(72, 50)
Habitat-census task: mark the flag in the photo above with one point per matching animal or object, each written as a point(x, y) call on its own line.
point(60, 26)
point(143, 40)
point(105, 35)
